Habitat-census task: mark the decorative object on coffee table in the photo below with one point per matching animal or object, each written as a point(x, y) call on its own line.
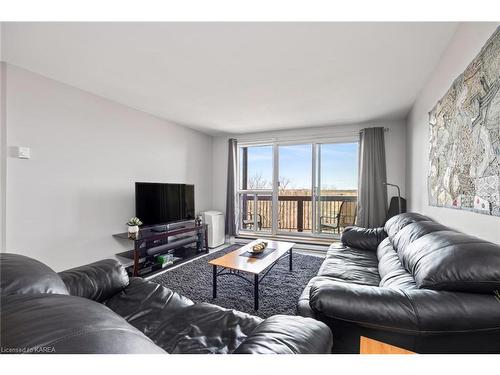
point(133, 227)
point(258, 248)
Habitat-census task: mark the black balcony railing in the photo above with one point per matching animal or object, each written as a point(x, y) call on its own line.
point(295, 212)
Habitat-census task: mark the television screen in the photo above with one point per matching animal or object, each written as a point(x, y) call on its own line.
point(157, 203)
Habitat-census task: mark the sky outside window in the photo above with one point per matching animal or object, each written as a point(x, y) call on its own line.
point(260, 167)
point(295, 166)
point(339, 166)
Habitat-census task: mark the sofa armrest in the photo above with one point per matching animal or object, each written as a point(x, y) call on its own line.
point(363, 238)
point(363, 304)
point(281, 334)
point(96, 281)
point(415, 310)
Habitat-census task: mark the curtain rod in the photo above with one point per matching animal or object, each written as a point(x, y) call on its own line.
point(311, 138)
point(385, 130)
point(298, 137)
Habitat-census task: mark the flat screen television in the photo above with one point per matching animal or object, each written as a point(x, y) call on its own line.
point(158, 203)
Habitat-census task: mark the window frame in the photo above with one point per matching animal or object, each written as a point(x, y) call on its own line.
point(315, 141)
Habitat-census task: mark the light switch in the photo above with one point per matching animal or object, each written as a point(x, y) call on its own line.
point(23, 152)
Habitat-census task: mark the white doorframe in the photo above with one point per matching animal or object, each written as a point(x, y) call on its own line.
point(316, 183)
point(275, 205)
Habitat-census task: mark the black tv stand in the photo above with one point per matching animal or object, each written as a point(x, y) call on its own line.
point(149, 244)
point(159, 229)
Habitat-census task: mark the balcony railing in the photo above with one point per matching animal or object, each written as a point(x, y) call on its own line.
point(295, 212)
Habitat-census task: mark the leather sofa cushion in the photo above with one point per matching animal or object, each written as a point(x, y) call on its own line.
point(363, 238)
point(96, 281)
point(350, 265)
point(418, 310)
point(303, 306)
point(143, 303)
point(412, 232)
point(23, 275)
point(398, 222)
point(363, 304)
point(281, 334)
point(392, 272)
point(176, 324)
point(453, 261)
point(51, 323)
point(203, 328)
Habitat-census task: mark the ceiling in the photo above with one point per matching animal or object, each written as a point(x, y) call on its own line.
point(239, 77)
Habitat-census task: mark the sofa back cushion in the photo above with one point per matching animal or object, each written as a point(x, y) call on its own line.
point(409, 234)
point(398, 222)
point(438, 257)
point(23, 275)
point(453, 261)
point(97, 281)
point(392, 273)
point(51, 323)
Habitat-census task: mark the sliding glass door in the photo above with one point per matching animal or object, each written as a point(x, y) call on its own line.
point(295, 188)
point(336, 186)
point(301, 189)
point(255, 187)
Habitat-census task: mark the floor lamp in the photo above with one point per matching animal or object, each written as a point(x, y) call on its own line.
point(399, 195)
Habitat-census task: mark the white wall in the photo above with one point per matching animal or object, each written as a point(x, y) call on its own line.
point(3, 140)
point(394, 143)
point(464, 46)
point(64, 204)
point(3, 154)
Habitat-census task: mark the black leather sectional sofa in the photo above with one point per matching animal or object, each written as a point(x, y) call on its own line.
point(414, 283)
point(97, 309)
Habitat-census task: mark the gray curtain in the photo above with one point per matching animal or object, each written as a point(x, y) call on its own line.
point(230, 193)
point(372, 191)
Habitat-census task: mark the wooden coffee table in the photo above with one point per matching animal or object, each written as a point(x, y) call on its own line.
point(234, 263)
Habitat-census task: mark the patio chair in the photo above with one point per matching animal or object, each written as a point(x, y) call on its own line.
point(342, 219)
point(247, 220)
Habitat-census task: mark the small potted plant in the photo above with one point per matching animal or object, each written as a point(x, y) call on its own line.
point(133, 227)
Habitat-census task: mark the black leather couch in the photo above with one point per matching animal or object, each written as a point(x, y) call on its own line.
point(414, 283)
point(97, 309)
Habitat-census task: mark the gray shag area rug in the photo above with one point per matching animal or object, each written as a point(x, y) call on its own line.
point(278, 292)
